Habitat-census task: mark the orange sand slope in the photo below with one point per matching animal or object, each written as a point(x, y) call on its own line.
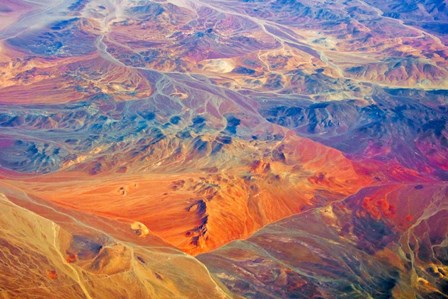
point(200, 211)
point(67, 255)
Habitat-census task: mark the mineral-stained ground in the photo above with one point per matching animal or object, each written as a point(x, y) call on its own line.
point(223, 149)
